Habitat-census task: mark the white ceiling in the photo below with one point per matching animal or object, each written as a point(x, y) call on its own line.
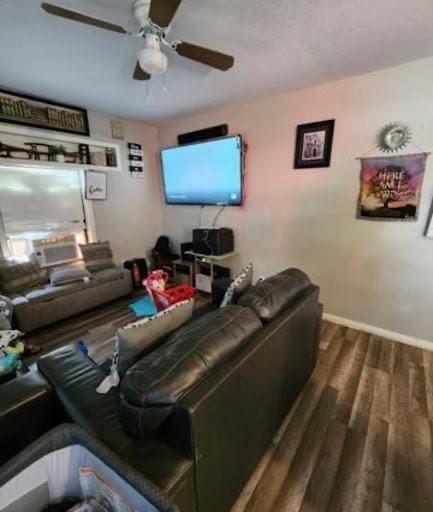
point(278, 45)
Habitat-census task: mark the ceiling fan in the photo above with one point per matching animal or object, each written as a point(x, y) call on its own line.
point(152, 19)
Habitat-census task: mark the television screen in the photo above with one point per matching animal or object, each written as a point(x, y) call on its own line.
point(204, 173)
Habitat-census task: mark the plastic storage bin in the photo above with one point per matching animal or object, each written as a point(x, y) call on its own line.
point(172, 296)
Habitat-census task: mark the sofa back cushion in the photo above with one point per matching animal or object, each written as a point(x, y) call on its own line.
point(152, 387)
point(137, 339)
point(97, 256)
point(270, 296)
point(18, 277)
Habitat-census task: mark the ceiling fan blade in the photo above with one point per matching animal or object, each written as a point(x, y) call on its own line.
point(82, 18)
point(139, 74)
point(162, 11)
point(205, 56)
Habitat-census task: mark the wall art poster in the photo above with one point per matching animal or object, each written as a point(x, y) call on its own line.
point(390, 187)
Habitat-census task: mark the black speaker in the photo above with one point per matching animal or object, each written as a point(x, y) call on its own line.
point(206, 134)
point(215, 241)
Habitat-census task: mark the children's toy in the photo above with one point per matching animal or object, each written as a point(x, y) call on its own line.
point(156, 280)
point(82, 347)
point(10, 351)
point(164, 297)
point(9, 362)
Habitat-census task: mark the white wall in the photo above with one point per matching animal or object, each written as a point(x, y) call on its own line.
point(379, 273)
point(131, 217)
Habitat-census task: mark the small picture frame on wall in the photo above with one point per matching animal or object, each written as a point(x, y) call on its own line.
point(96, 186)
point(314, 144)
point(117, 129)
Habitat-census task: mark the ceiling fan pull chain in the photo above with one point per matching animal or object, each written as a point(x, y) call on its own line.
point(147, 91)
point(164, 83)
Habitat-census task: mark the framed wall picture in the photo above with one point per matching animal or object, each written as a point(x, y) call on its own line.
point(40, 113)
point(117, 129)
point(96, 185)
point(314, 144)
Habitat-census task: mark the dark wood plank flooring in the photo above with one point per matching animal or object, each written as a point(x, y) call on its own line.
point(359, 438)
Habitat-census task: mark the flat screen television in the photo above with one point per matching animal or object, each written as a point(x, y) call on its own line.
point(204, 173)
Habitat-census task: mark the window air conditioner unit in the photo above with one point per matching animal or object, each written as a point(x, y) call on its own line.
point(54, 251)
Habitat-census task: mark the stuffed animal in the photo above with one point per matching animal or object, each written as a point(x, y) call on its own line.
point(156, 281)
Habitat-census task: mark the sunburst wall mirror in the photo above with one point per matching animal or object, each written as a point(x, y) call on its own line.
point(393, 137)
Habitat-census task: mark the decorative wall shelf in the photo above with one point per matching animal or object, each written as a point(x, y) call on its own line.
point(27, 147)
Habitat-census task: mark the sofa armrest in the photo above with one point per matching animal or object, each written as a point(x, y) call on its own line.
point(19, 300)
point(27, 410)
point(248, 399)
point(75, 378)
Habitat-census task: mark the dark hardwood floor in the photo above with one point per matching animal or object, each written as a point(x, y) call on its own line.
point(359, 438)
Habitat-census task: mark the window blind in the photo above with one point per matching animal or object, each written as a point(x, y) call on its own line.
point(36, 203)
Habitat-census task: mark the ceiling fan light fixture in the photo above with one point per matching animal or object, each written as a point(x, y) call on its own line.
point(151, 58)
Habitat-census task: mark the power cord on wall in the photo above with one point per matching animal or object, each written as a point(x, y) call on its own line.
point(218, 215)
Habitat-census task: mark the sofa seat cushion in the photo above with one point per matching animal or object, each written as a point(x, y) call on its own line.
point(52, 292)
point(75, 378)
point(270, 296)
point(152, 386)
point(49, 292)
point(109, 274)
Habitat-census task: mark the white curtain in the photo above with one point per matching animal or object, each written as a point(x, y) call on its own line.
point(36, 203)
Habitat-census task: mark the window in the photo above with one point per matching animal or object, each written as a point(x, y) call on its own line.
point(37, 204)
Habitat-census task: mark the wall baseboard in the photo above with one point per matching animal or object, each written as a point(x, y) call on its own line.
point(378, 331)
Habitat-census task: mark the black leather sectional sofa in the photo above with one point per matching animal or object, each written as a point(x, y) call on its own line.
point(195, 415)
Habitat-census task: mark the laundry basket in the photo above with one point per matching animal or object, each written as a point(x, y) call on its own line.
point(48, 471)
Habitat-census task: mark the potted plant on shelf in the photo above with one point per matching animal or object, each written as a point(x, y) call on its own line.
point(59, 153)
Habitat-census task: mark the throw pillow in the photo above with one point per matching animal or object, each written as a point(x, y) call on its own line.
point(6, 310)
point(97, 256)
point(69, 275)
point(241, 283)
point(18, 277)
point(139, 338)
